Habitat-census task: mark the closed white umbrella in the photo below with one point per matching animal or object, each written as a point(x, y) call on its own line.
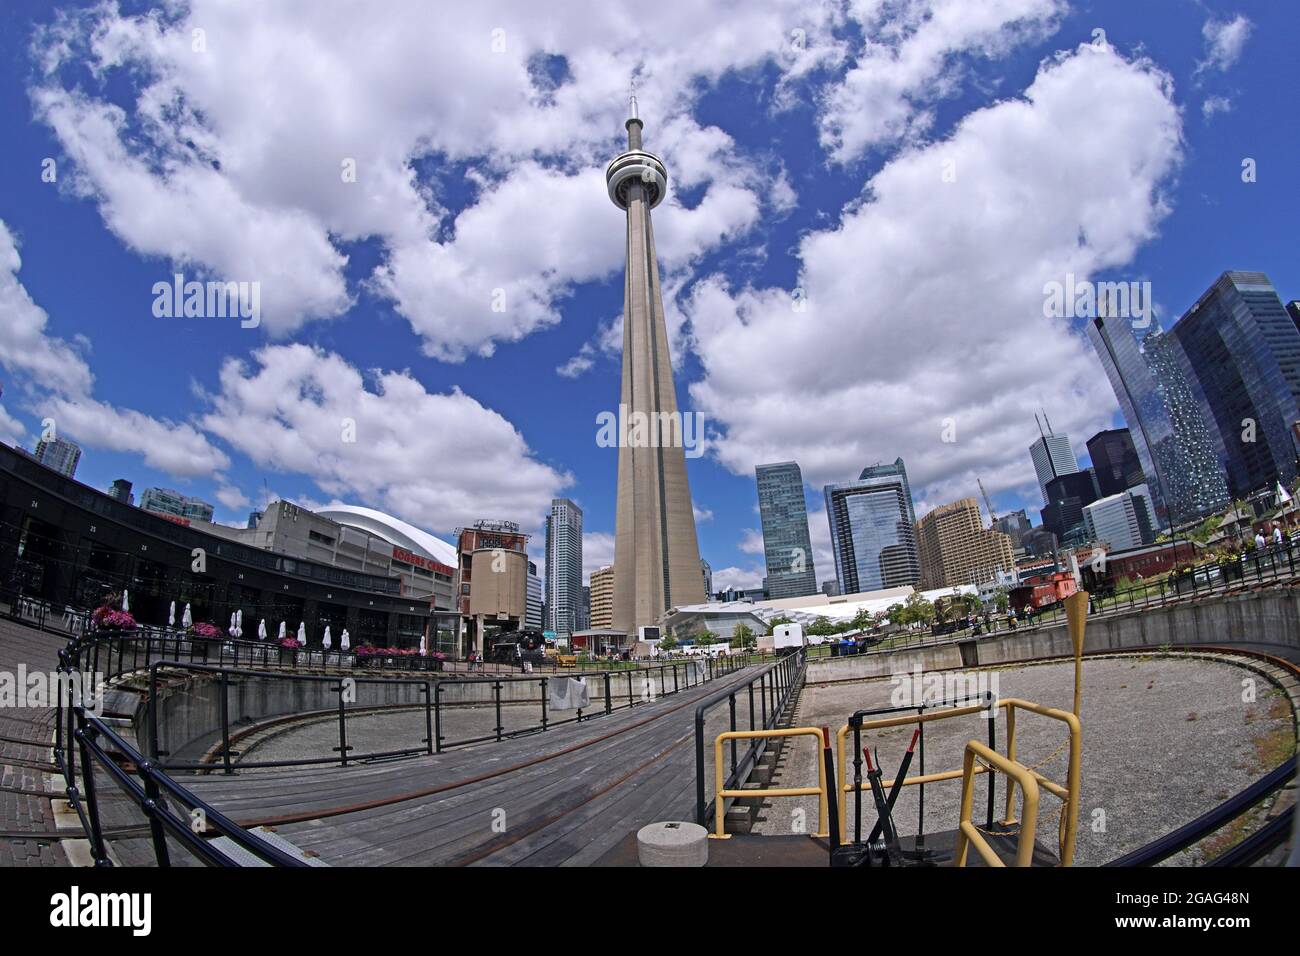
point(326, 640)
point(282, 630)
point(344, 641)
point(302, 633)
point(239, 623)
point(261, 629)
point(186, 619)
point(171, 615)
point(126, 600)
point(423, 644)
point(231, 629)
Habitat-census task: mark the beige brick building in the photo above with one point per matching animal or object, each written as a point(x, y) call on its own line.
point(956, 548)
point(602, 598)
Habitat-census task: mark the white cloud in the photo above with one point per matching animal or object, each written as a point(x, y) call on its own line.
point(1214, 105)
point(751, 541)
point(25, 346)
point(734, 577)
point(11, 429)
point(908, 61)
point(438, 460)
point(701, 514)
point(1224, 41)
point(231, 158)
point(1066, 179)
point(232, 498)
point(174, 447)
point(597, 552)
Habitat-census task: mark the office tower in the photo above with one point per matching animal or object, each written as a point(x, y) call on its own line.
point(1014, 525)
point(533, 617)
point(1115, 461)
point(168, 502)
point(872, 526)
point(1120, 520)
point(1175, 440)
point(656, 553)
point(58, 454)
point(955, 547)
point(563, 567)
point(120, 490)
point(1242, 353)
point(1067, 495)
point(1052, 456)
point(707, 570)
point(1293, 310)
point(602, 598)
point(787, 547)
point(584, 621)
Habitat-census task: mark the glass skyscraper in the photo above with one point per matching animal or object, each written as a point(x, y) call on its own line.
point(1240, 350)
point(1175, 444)
point(1052, 457)
point(873, 530)
point(787, 548)
point(564, 567)
point(59, 454)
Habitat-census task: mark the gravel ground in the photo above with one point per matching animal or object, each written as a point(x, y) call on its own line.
point(1164, 740)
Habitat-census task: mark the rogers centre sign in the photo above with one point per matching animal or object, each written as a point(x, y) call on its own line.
point(401, 554)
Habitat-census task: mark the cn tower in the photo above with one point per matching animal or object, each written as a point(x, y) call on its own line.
point(656, 554)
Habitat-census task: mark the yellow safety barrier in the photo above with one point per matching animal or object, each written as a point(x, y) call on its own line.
point(968, 833)
point(720, 795)
point(1068, 794)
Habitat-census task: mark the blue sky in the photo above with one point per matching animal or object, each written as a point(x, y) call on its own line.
point(805, 148)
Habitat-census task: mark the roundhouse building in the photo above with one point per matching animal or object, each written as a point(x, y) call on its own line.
point(71, 544)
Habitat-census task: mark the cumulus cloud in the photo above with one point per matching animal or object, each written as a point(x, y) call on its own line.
point(1214, 105)
point(11, 429)
point(255, 159)
point(1065, 179)
point(1224, 41)
point(597, 552)
point(436, 459)
point(909, 60)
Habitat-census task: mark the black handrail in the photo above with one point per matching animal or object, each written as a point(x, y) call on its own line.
point(777, 684)
point(1210, 821)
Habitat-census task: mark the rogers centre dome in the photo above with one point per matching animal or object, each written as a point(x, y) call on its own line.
point(394, 530)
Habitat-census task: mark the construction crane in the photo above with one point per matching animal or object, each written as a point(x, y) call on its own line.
point(987, 503)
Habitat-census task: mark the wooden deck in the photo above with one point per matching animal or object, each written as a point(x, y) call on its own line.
point(564, 797)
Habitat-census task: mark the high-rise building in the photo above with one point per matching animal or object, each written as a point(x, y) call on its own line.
point(59, 454)
point(656, 553)
point(1242, 354)
point(584, 618)
point(602, 597)
point(1052, 456)
point(1120, 520)
point(1014, 525)
point(1067, 495)
point(533, 619)
point(564, 567)
point(1293, 310)
point(168, 502)
point(707, 570)
point(491, 582)
point(1175, 440)
point(787, 547)
point(1115, 461)
point(873, 534)
point(956, 548)
point(120, 490)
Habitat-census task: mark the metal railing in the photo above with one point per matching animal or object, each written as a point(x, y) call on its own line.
point(768, 693)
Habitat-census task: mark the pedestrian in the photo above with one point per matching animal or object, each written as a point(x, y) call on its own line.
point(1259, 539)
point(1277, 534)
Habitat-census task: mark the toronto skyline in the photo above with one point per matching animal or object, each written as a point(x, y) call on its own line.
point(440, 269)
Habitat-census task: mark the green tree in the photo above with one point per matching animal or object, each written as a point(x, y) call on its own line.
point(863, 620)
point(917, 609)
point(667, 644)
point(705, 637)
point(897, 614)
point(743, 636)
point(821, 627)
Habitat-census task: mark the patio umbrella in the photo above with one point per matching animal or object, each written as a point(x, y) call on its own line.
point(326, 641)
point(261, 629)
point(302, 633)
point(171, 615)
point(344, 641)
point(231, 629)
point(126, 601)
point(282, 630)
point(186, 619)
point(239, 623)
point(423, 644)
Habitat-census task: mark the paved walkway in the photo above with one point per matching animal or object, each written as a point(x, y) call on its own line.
point(28, 781)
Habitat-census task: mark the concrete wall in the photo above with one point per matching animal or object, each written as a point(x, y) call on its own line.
point(1267, 620)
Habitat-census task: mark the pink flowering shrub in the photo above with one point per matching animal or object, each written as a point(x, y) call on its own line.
point(205, 631)
point(370, 650)
point(108, 618)
point(289, 642)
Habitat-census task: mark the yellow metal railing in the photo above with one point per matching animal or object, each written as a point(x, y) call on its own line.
point(1068, 794)
point(968, 833)
point(720, 795)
